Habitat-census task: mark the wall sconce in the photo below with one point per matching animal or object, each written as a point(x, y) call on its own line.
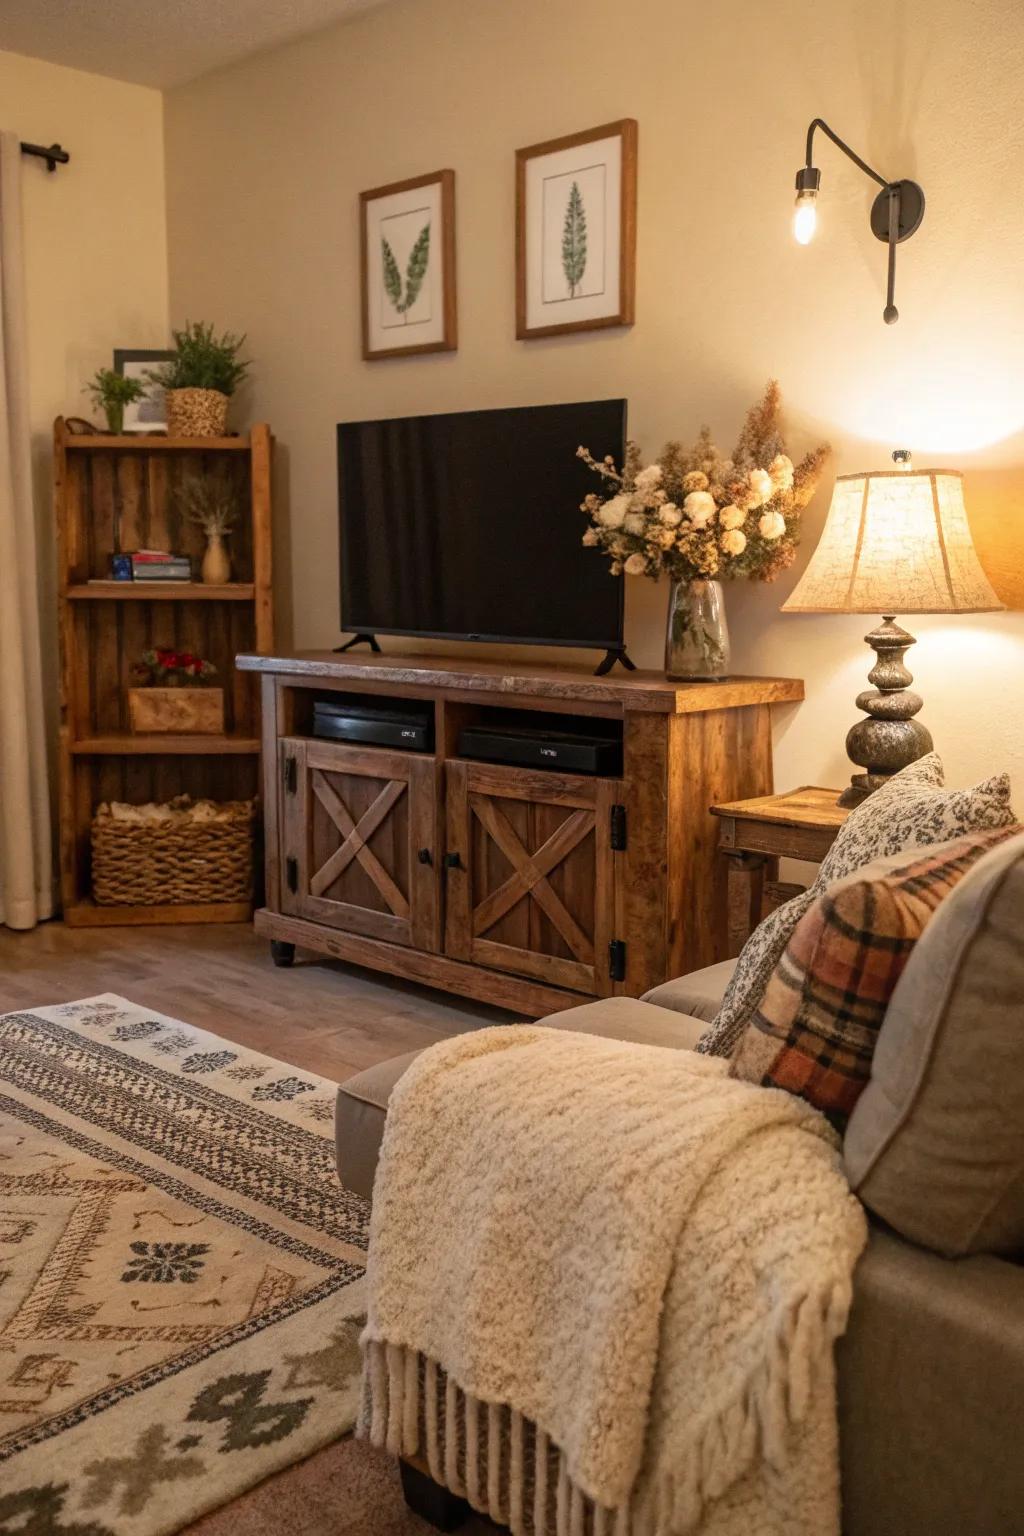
point(895, 214)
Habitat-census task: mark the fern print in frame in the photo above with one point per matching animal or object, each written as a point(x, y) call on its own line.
point(576, 232)
point(574, 240)
point(408, 267)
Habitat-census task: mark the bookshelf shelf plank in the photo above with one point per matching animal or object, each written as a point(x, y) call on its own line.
point(86, 914)
point(165, 743)
point(132, 442)
point(161, 591)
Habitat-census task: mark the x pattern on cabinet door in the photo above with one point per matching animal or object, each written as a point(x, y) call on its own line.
point(534, 897)
point(356, 835)
point(355, 819)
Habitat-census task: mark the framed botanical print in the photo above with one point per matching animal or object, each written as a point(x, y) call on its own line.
point(408, 267)
point(576, 232)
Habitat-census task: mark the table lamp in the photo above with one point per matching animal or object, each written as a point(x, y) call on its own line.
point(894, 542)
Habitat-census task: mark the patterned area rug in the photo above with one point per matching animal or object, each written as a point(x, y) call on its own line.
point(180, 1271)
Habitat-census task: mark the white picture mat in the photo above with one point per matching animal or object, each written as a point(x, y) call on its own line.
point(150, 414)
point(596, 167)
point(400, 217)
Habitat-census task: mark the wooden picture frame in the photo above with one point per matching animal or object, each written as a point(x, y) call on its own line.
point(552, 259)
point(407, 292)
point(149, 414)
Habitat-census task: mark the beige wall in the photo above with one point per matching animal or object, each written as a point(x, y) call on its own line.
point(95, 251)
point(265, 162)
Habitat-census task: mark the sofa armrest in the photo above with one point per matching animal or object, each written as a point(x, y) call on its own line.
point(931, 1382)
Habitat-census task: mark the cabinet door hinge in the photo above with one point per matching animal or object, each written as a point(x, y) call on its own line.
point(617, 960)
point(291, 874)
point(618, 828)
point(290, 775)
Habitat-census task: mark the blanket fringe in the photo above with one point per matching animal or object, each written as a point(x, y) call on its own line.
point(508, 1468)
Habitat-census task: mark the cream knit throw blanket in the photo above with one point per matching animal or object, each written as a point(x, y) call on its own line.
point(604, 1284)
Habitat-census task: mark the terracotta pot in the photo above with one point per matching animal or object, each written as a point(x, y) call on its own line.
point(216, 567)
point(185, 711)
point(196, 413)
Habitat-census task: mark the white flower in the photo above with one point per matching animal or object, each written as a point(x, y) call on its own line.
point(732, 517)
point(761, 484)
point(590, 537)
point(613, 512)
point(699, 507)
point(667, 537)
point(772, 525)
point(615, 569)
point(670, 515)
point(733, 541)
point(696, 480)
point(647, 479)
point(634, 522)
point(781, 471)
point(636, 565)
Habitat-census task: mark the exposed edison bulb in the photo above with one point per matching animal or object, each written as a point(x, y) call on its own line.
point(805, 216)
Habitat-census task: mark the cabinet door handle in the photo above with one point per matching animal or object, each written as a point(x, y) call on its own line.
point(453, 861)
point(425, 856)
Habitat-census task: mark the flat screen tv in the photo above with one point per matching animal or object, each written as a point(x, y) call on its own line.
point(467, 526)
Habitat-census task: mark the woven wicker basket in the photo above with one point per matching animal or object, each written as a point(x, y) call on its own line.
point(178, 862)
point(196, 413)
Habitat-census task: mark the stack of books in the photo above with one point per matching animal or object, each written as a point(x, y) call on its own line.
point(160, 565)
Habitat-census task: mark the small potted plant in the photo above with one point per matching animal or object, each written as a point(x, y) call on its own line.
point(173, 693)
point(199, 380)
point(111, 392)
point(212, 505)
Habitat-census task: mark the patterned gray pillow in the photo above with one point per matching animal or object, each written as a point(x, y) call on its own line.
point(911, 811)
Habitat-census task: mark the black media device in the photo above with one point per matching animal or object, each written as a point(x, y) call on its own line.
point(466, 526)
point(344, 719)
point(533, 746)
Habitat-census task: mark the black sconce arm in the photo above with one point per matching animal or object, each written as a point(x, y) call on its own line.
point(895, 214)
point(819, 122)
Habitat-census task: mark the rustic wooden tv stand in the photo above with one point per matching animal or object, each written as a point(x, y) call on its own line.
point(530, 889)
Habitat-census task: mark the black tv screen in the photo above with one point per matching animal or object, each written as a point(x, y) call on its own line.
point(467, 526)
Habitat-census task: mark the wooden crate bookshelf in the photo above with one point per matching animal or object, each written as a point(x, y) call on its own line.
point(121, 493)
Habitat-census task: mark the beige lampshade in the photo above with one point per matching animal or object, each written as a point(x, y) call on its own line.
point(895, 541)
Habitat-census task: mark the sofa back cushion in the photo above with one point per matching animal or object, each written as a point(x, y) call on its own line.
point(935, 1146)
point(815, 1030)
point(912, 811)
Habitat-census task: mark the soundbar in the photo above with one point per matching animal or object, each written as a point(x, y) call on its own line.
point(530, 747)
point(409, 728)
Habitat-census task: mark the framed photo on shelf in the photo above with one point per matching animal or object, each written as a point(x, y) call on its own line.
point(149, 414)
point(576, 232)
point(407, 233)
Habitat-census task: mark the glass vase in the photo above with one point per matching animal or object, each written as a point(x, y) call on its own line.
point(697, 635)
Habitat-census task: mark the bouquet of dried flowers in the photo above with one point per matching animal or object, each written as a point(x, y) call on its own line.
point(172, 669)
point(692, 514)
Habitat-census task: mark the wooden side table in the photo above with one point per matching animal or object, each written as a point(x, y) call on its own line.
point(756, 834)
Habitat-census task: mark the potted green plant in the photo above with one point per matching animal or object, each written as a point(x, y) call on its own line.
point(112, 392)
point(199, 380)
point(173, 693)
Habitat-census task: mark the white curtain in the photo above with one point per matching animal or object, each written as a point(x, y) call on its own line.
point(26, 878)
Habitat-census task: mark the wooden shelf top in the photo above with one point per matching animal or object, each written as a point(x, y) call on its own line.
point(140, 442)
point(85, 913)
point(161, 591)
point(809, 806)
point(164, 745)
point(643, 691)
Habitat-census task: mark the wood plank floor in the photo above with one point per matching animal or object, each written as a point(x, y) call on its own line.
point(327, 1018)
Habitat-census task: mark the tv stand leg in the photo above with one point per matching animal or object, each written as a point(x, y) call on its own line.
point(360, 639)
point(610, 658)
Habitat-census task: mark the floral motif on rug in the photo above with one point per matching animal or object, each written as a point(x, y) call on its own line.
point(180, 1271)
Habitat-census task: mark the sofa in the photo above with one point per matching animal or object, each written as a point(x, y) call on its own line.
point(931, 1369)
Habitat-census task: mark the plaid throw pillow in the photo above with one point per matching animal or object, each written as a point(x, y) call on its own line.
point(815, 1030)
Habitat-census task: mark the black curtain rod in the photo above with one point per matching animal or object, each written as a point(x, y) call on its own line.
point(53, 156)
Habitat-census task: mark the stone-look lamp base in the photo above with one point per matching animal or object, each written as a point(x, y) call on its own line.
point(890, 738)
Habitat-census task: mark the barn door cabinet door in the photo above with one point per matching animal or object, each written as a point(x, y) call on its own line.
point(530, 874)
point(360, 832)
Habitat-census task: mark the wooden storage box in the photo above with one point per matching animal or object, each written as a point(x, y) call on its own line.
point(177, 863)
point(185, 711)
